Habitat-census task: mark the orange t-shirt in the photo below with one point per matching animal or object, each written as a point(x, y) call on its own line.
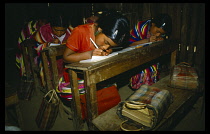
point(79, 41)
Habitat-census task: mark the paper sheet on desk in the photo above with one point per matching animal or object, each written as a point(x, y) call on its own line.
point(133, 47)
point(98, 58)
point(54, 44)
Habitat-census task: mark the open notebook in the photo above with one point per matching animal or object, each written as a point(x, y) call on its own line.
point(99, 58)
point(54, 44)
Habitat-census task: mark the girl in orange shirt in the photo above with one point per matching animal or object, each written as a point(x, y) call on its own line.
point(110, 30)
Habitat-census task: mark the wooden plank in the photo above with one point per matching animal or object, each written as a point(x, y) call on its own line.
point(34, 67)
point(46, 71)
point(25, 59)
point(184, 31)
point(75, 102)
point(55, 50)
point(173, 58)
point(92, 107)
point(146, 11)
point(200, 49)
point(174, 10)
point(54, 71)
point(194, 13)
point(51, 75)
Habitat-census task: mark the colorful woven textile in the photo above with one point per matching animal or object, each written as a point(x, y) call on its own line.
point(26, 33)
point(147, 76)
point(64, 90)
point(139, 31)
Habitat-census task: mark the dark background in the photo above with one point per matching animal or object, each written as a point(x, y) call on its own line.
point(188, 25)
point(18, 14)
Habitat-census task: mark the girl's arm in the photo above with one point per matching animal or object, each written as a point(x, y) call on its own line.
point(70, 56)
point(139, 42)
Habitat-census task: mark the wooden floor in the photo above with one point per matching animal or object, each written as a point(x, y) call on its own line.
point(194, 119)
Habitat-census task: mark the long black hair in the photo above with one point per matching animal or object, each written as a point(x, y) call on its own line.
point(115, 26)
point(59, 20)
point(163, 21)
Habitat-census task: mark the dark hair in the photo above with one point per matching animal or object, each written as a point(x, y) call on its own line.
point(115, 26)
point(58, 20)
point(163, 21)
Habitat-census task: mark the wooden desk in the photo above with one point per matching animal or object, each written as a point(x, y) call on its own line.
point(102, 70)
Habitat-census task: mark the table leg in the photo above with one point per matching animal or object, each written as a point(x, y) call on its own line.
point(76, 104)
point(91, 100)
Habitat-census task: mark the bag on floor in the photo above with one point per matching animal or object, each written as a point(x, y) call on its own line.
point(144, 109)
point(183, 76)
point(48, 111)
point(106, 97)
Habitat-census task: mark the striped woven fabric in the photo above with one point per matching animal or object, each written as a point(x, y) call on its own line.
point(64, 90)
point(139, 31)
point(26, 33)
point(147, 76)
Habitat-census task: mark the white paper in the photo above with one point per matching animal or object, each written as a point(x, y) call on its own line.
point(54, 44)
point(98, 58)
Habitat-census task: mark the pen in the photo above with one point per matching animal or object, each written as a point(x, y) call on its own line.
point(95, 44)
point(116, 48)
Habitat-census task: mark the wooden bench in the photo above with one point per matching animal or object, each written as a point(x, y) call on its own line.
point(48, 55)
point(183, 101)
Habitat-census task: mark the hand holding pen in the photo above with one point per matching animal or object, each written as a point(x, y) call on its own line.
point(104, 51)
point(98, 51)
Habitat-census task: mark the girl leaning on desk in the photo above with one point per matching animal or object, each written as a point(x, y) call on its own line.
point(156, 29)
point(56, 31)
point(110, 30)
point(151, 30)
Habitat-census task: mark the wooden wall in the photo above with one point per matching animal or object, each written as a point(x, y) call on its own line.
point(188, 20)
point(188, 23)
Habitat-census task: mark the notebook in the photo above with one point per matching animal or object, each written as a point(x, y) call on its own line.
point(99, 58)
point(54, 44)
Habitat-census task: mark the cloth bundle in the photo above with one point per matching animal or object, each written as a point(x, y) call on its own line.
point(183, 76)
point(145, 107)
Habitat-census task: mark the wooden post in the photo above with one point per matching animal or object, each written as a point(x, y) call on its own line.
point(173, 58)
point(92, 107)
point(46, 72)
point(76, 104)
